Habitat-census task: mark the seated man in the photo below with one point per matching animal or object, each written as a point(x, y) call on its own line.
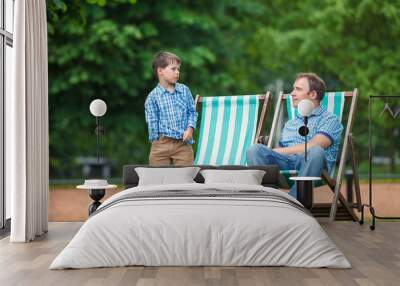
point(324, 136)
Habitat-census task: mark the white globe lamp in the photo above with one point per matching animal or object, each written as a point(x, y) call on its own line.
point(98, 107)
point(305, 107)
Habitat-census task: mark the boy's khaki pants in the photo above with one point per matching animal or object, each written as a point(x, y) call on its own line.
point(167, 151)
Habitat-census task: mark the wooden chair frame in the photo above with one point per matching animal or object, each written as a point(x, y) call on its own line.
point(348, 146)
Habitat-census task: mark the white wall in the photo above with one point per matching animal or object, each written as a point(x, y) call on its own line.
point(9, 9)
point(8, 85)
point(9, 27)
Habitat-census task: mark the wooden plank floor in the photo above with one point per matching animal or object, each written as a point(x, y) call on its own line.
point(374, 255)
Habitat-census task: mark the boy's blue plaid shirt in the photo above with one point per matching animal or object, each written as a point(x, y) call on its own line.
point(170, 114)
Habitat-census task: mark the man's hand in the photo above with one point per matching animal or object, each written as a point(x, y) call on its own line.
point(319, 139)
point(188, 134)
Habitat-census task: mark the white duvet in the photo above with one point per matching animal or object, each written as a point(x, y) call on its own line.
point(183, 231)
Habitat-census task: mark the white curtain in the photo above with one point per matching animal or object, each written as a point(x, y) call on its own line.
point(27, 124)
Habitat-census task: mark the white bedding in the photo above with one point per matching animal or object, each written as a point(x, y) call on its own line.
point(182, 231)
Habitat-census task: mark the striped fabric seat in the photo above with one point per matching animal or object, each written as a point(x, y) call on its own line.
point(333, 102)
point(228, 127)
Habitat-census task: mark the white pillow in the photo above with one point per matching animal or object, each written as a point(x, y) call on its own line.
point(166, 176)
point(249, 177)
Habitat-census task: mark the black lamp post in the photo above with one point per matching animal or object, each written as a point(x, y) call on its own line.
point(98, 108)
point(304, 185)
point(305, 108)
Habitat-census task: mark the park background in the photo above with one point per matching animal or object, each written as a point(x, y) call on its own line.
point(103, 49)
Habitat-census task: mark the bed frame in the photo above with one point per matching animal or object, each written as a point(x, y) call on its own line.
point(270, 179)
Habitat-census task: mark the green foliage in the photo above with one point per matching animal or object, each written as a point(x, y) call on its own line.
point(349, 43)
point(103, 49)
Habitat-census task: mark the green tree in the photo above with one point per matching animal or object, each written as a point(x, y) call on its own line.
point(103, 49)
point(350, 43)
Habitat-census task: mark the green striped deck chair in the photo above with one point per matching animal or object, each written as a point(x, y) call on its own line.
point(228, 126)
point(334, 102)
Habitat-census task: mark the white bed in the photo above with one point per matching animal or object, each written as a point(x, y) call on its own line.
point(248, 225)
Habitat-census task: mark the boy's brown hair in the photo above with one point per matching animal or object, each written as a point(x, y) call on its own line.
point(314, 82)
point(163, 59)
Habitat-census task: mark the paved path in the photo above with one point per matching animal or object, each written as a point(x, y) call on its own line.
point(72, 204)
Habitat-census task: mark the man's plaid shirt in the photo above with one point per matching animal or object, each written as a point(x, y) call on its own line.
point(320, 121)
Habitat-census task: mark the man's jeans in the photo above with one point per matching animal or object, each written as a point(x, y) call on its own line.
point(259, 154)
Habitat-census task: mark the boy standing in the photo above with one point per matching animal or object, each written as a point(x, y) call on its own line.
point(170, 114)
